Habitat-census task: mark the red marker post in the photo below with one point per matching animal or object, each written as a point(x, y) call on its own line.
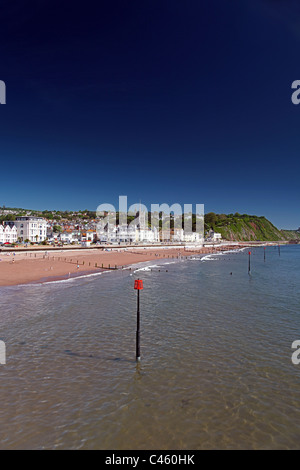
point(138, 285)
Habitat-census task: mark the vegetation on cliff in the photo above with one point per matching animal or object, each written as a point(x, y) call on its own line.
point(247, 228)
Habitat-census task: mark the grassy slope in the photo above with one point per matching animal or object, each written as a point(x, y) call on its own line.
point(249, 228)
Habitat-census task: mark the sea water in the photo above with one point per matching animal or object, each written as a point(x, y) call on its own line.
point(216, 348)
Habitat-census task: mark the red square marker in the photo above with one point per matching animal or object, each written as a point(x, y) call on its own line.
point(138, 284)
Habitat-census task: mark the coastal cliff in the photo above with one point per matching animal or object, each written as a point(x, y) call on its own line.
point(248, 228)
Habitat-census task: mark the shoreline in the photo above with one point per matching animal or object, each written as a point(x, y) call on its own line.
point(21, 268)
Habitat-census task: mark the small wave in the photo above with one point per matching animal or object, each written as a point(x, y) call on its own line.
point(209, 258)
point(215, 256)
point(146, 268)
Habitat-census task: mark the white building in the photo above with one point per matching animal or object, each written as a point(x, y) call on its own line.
point(178, 235)
point(192, 237)
point(8, 234)
point(144, 234)
point(116, 233)
point(147, 235)
point(33, 229)
point(88, 236)
point(215, 236)
point(125, 234)
point(69, 237)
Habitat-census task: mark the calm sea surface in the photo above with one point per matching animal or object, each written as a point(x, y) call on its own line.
point(216, 369)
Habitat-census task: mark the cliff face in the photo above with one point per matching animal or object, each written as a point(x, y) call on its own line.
point(248, 227)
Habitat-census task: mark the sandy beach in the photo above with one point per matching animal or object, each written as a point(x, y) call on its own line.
point(40, 266)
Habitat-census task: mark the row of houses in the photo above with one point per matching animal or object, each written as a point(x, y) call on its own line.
point(8, 234)
point(33, 229)
point(37, 229)
point(123, 234)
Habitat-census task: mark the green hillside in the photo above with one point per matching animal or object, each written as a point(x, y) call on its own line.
point(247, 228)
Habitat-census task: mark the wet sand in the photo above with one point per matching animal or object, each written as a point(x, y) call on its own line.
point(29, 267)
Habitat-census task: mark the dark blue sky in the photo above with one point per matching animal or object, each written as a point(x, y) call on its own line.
point(162, 101)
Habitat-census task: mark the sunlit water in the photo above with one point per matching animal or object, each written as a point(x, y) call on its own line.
point(215, 373)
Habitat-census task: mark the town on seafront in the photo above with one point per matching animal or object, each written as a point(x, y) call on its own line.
point(28, 229)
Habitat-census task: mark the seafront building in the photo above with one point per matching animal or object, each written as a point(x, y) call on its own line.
point(128, 233)
point(33, 229)
point(8, 234)
point(138, 231)
point(67, 236)
point(134, 234)
point(214, 236)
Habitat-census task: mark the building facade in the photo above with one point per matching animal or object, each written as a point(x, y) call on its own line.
point(33, 229)
point(8, 234)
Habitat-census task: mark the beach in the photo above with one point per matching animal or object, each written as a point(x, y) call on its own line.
point(20, 267)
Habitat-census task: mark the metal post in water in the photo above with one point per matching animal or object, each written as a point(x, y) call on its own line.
point(249, 265)
point(264, 253)
point(138, 285)
point(138, 339)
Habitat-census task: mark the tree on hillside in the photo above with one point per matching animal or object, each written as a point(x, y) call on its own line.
point(210, 219)
point(10, 217)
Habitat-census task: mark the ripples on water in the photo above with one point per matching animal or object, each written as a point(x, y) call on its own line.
point(216, 368)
